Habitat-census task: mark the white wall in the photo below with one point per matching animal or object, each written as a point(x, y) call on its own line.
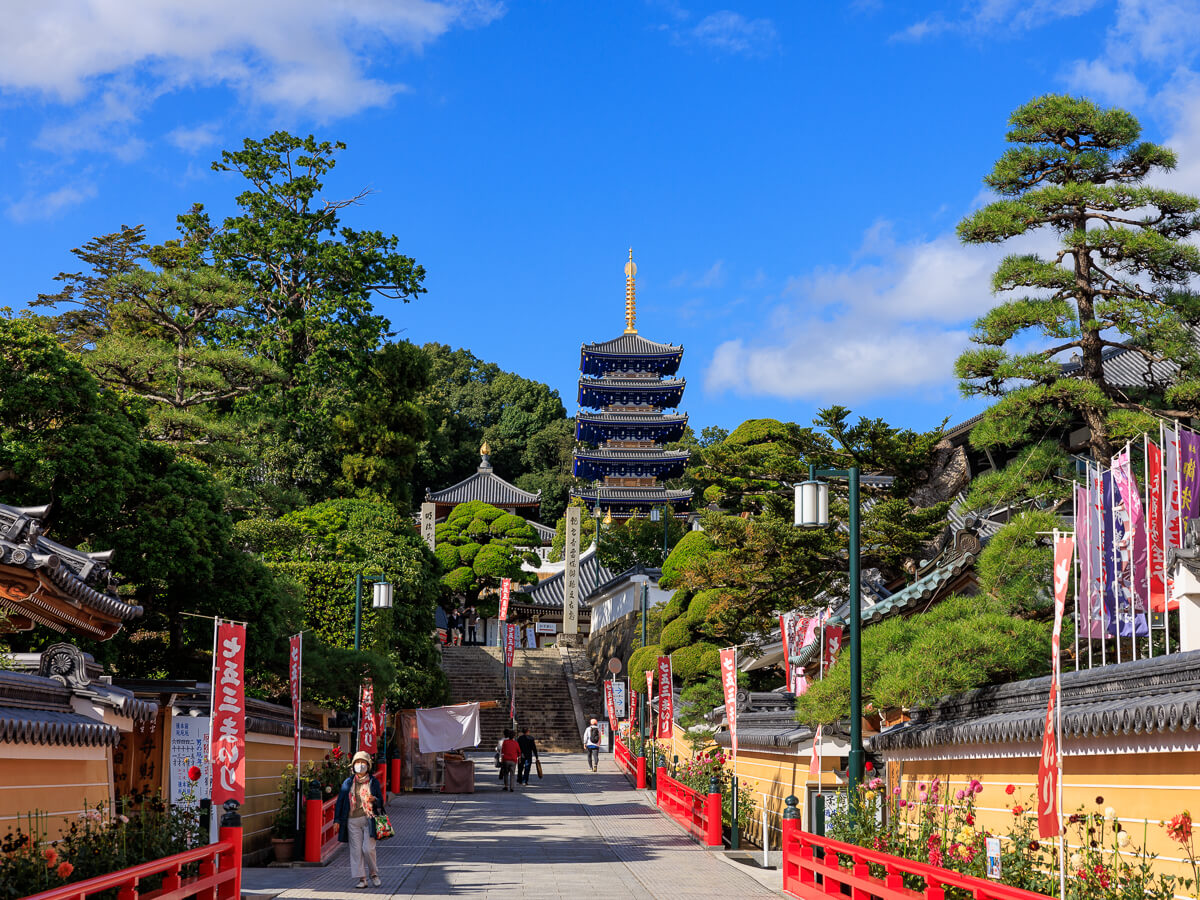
point(626, 598)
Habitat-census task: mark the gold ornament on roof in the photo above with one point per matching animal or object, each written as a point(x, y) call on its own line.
point(630, 296)
point(485, 450)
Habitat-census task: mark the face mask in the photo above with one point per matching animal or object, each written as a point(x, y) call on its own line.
point(361, 768)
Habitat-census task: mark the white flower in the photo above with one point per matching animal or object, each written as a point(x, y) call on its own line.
point(1122, 838)
point(1076, 860)
point(1110, 813)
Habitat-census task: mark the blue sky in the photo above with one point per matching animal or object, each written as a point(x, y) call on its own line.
point(789, 174)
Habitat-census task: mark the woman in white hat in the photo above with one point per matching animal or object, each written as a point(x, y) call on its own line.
point(360, 801)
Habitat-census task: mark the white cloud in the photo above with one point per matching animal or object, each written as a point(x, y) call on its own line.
point(992, 16)
point(1098, 79)
point(46, 206)
point(305, 55)
point(731, 32)
point(714, 277)
point(892, 321)
point(196, 138)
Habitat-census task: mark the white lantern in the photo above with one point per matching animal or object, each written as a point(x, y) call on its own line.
point(382, 595)
point(812, 504)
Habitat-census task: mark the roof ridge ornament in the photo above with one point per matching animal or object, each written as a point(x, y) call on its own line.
point(630, 295)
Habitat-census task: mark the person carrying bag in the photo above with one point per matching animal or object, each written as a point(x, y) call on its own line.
point(591, 741)
point(360, 811)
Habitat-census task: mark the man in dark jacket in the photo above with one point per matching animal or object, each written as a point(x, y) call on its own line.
point(528, 751)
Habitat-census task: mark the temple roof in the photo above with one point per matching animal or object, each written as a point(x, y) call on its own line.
point(549, 593)
point(632, 418)
point(633, 383)
point(487, 486)
point(628, 346)
point(615, 496)
point(50, 584)
point(596, 392)
point(650, 454)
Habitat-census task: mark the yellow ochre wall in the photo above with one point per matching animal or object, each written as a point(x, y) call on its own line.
point(57, 782)
point(267, 756)
point(1143, 788)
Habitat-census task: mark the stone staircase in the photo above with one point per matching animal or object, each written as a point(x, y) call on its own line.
point(543, 698)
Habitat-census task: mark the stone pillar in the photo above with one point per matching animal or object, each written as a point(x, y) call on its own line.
point(1186, 591)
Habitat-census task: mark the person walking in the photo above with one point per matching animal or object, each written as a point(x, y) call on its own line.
point(472, 626)
point(591, 740)
point(528, 751)
point(358, 803)
point(452, 627)
point(510, 754)
point(462, 627)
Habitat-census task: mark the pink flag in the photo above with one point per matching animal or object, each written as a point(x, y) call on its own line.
point(510, 644)
point(505, 594)
point(1189, 475)
point(792, 628)
point(1050, 765)
point(1154, 523)
point(1132, 547)
point(814, 759)
point(666, 699)
point(1097, 573)
point(1173, 489)
point(228, 715)
point(295, 645)
point(729, 683)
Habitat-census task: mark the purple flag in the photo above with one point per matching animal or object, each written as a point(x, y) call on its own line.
point(1091, 615)
point(1189, 473)
point(1131, 550)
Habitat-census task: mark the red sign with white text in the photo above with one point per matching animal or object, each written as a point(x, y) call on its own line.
point(1050, 765)
point(229, 715)
point(505, 593)
point(510, 644)
point(666, 712)
point(729, 683)
point(633, 705)
point(1156, 528)
point(610, 707)
point(368, 736)
point(295, 650)
point(833, 644)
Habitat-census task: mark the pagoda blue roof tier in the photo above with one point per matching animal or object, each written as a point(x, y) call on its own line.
point(620, 463)
point(595, 428)
point(600, 392)
point(624, 502)
point(629, 353)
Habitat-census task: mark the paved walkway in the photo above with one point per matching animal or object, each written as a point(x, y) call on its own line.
point(573, 835)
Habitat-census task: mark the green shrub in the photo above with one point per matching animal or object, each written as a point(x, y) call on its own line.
point(675, 635)
point(696, 661)
point(1017, 566)
point(691, 545)
point(641, 661)
point(676, 606)
point(697, 612)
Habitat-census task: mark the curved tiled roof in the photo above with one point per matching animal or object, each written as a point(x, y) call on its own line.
point(633, 495)
point(646, 384)
point(549, 593)
point(639, 453)
point(1146, 696)
point(633, 418)
point(487, 486)
point(55, 727)
point(631, 345)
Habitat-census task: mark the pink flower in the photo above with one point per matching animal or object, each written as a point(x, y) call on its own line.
point(923, 796)
point(896, 791)
point(959, 795)
point(903, 803)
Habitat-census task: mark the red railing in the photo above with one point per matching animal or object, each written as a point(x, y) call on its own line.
point(624, 758)
point(320, 830)
point(812, 878)
point(219, 876)
point(699, 814)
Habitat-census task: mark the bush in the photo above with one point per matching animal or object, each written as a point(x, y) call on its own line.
point(675, 635)
point(697, 661)
point(643, 660)
point(697, 612)
point(691, 545)
point(1017, 566)
point(676, 606)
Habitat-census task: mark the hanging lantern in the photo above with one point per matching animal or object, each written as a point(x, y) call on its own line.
point(812, 504)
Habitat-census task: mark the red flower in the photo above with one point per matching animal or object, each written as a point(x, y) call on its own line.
point(193, 773)
point(970, 819)
point(50, 855)
point(1018, 809)
point(1180, 828)
point(64, 870)
point(869, 766)
point(1011, 789)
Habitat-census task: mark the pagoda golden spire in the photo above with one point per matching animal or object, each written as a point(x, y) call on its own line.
point(630, 296)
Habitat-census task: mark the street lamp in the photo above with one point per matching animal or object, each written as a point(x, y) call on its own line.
point(655, 515)
point(381, 598)
point(812, 511)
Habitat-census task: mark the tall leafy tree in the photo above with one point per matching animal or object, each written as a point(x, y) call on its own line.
point(1117, 280)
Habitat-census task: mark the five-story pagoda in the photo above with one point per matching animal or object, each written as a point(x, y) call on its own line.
point(624, 388)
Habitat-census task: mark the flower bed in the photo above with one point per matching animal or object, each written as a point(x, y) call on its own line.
point(929, 823)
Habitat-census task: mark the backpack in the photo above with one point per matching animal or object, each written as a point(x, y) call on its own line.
point(593, 734)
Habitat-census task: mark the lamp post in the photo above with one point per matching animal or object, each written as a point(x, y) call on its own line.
point(655, 514)
point(644, 580)
point(812, 511)
point(381, 598)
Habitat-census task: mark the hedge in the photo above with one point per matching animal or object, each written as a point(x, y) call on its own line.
point(675, 635)
point(696, 662)
point(642, 660)
point(676, 606)
point(691, 545)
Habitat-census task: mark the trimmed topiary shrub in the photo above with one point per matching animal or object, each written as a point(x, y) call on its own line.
point(697, 611)
point(691, 545)
point(696, 661)
point(675, 635)
point(641, 661)
point(676, 606)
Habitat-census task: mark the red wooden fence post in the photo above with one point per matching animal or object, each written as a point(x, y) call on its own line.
point(641, 773)
point(231, 859)
point(314, 822)
point(712, 815)
point(789, 824)
point(659, 774)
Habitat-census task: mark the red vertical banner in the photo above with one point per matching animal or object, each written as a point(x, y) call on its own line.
point(229, 715)
point(295, 650)
point(368, 737)
point(633, 707)
point(505, 593)
point(833, 643)
point(1050, 765)
point(729, 684)
point(814, 758)
point(381, 724)
point(610, 706)
point(1156, 527)
point(510, 644)
point(512, 702)
point(666, 699)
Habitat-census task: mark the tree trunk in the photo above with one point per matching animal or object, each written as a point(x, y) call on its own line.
point(1091, 353)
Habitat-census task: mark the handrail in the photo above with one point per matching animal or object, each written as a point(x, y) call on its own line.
point(319, 841)
point(699, 814)
point(802, 869)
point(220, 875)
point(624, 758)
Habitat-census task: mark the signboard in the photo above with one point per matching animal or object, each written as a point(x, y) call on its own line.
point(993, 857)
point(228, 710)
point(531, 638)
point(1050, 765)
point(189, 747)
point(609, 708)
point(729, 683)
point(510, 644)
point(368, 737)
point(505, 593)
point(428, 516)
point(619, 695)
point(665, 698)
point(545, 628)
point(571, 572)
